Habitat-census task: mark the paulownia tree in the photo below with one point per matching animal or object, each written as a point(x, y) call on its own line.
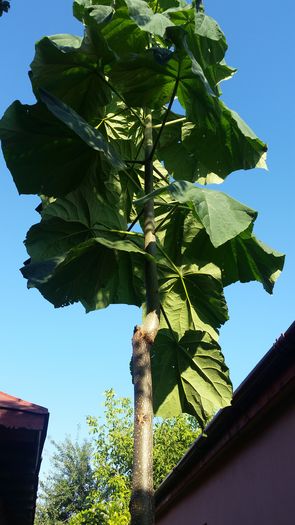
point(120, 168)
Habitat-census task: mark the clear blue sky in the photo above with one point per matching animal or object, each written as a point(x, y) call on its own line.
point(64, 359)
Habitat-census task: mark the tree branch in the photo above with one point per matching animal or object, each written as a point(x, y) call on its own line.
point(120, 97)
point(135, 220)
point(159, 173)
point(165, 116)
point(166, 218)
point(170, 122)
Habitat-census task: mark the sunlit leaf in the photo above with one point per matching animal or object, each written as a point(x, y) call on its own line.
point(243, 259)
point(192, 297)
point(91, 136)
point(148, 78)
point(176, 234)
point(222, 217)
point(218, 145)
point(80, 7)
point(123, 29)
point(146, 19)
point(189, 375)
point(143, 80)
point(207, 44)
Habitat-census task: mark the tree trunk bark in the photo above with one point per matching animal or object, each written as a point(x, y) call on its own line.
point(142, 498)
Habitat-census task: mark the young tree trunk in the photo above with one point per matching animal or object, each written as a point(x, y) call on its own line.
point(142, 498)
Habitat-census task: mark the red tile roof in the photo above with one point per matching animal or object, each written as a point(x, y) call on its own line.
point(23, 428)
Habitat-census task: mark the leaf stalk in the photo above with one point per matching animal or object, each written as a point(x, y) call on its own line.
point(170, 122)
point(165, 116)
point(118, 94)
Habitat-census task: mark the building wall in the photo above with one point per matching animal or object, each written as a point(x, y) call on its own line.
point(254, 484)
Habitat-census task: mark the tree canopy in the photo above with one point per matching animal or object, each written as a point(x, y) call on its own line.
point(107, 148)
point(81, 147)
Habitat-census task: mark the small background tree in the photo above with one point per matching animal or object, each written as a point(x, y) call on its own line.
point(90, 483)
point(69, 483)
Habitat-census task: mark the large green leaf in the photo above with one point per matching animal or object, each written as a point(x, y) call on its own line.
point(207, 44)
point(183, 165)
point(146, 19)
point(101, 9)
point(90, 135)
point(80, 7)
point(217, 141)
point(62, 67)
point(235, 145)
point(189, 375)
point(123, 29)
point(43, 155)
point(192, 298)
point(97, 272)
point(122, 124)
point(125, 130)
point(78, 253)
point(148, 78)
point(243, 259)
point(178, 162)
point(214, 141)
point(175, 232)
point(81, 215)
point(217, 145)
point(143, 78)
point(222, 217)
point(95, 19)
point(209, 39)
point(179, 38)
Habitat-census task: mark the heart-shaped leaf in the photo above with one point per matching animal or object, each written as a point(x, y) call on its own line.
point(62, 67)
point(146, 19)
point(189, 375)
point(192, 298)
point(91, 136)
point(243, 259)
point(43, 155)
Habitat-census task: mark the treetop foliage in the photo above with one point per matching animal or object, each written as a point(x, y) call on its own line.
point(80, 147)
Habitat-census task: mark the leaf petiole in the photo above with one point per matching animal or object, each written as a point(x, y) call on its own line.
point(166, 114)
point(166, 218)
point(121, 98)
point(170, 122)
